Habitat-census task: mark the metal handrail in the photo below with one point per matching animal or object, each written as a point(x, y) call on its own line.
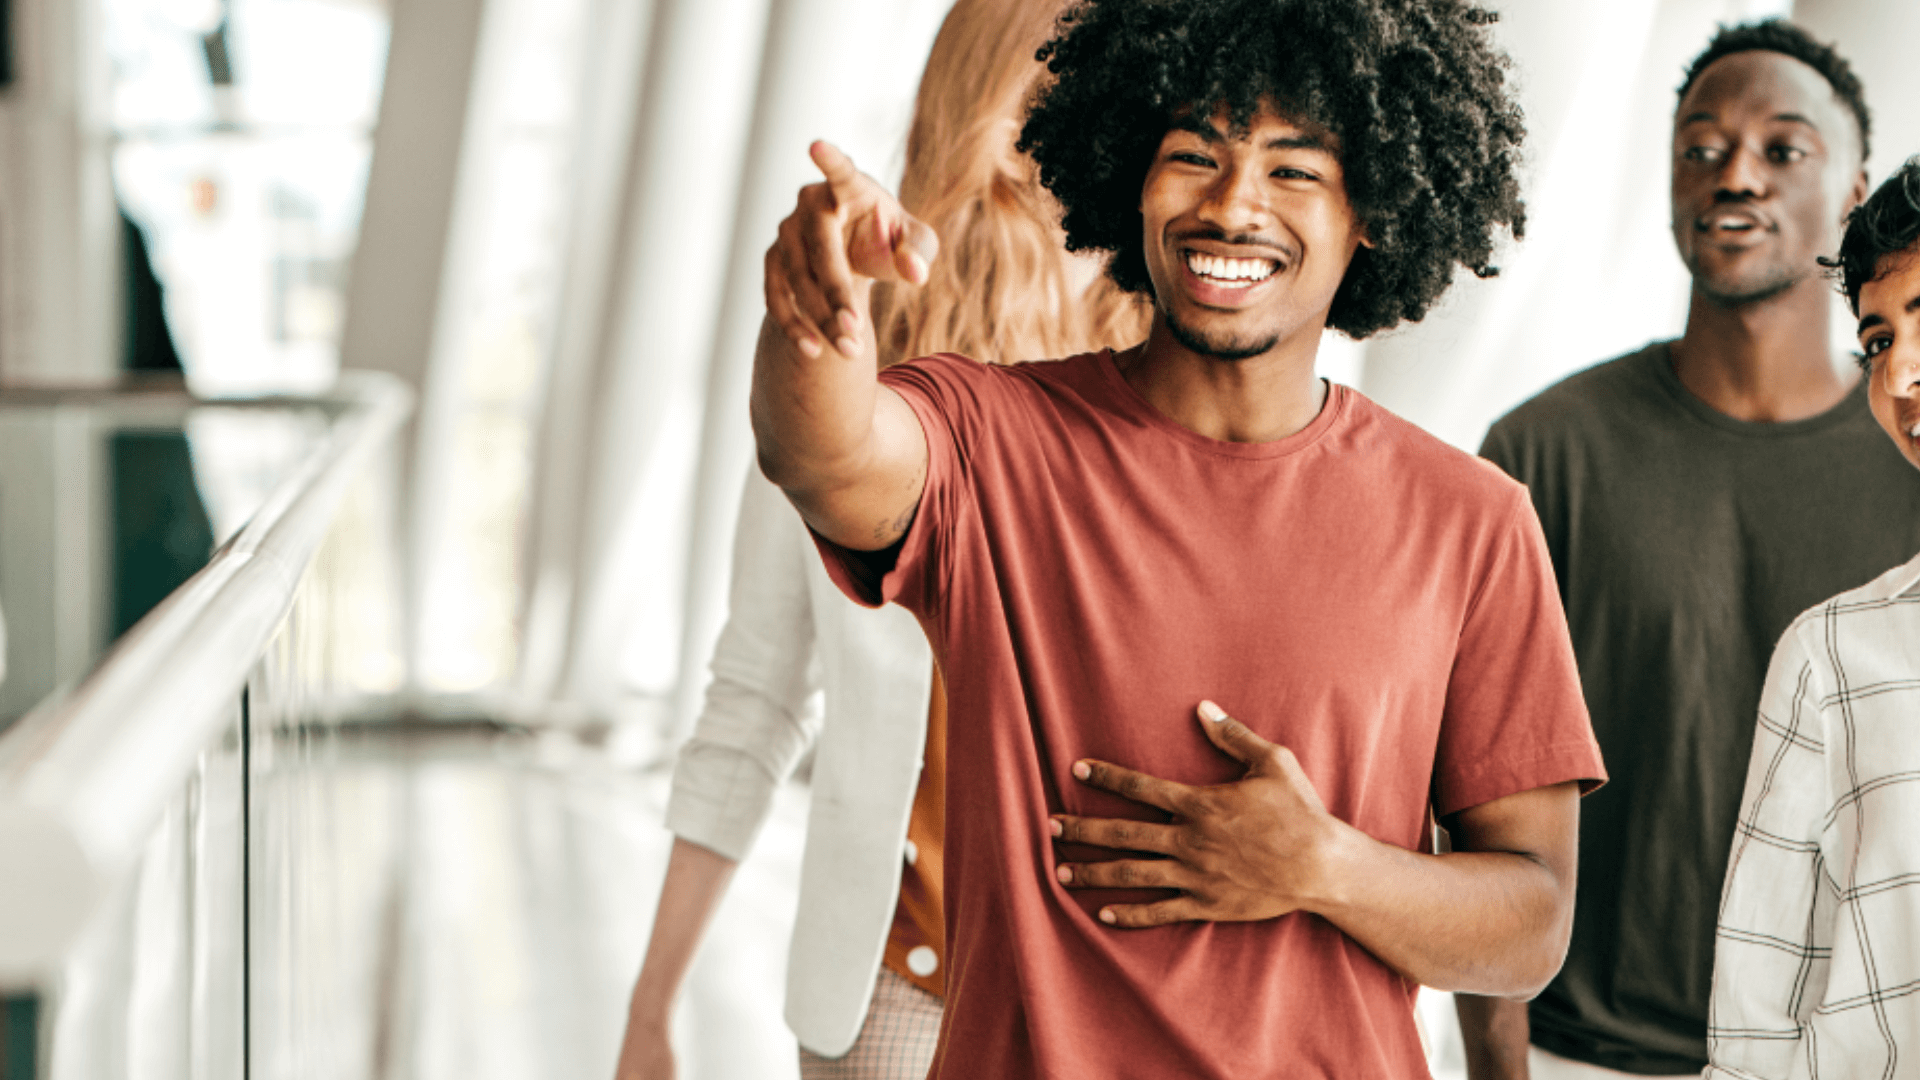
point(85, 777)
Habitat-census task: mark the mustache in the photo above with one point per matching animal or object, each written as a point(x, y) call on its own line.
point(1284, 252)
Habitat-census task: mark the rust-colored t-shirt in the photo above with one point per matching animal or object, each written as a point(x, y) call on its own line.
point(917, 945)
point(1087, 572)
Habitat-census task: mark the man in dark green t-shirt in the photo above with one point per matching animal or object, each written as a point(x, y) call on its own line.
point(1696, 496)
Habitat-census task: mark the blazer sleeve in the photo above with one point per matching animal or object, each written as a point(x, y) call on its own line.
point(1775, 937)
point(761, 715)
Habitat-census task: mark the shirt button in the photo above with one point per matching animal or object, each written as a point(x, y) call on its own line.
point(913, 853)
point(923, 961)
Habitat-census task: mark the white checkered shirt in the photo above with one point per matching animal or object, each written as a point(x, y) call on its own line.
point(1817, 969)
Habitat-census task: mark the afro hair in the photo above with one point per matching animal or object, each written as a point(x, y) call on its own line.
point(1415, 91)
point(1780, 36)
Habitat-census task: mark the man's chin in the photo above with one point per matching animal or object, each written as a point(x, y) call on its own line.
point(1218, 346)
point(1742, 290)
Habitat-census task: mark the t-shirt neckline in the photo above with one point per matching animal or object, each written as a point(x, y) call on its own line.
point(1660, 362)
point(1130, 401)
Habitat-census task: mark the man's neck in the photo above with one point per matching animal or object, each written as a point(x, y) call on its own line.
point(1258, 399)
point(1765, 362)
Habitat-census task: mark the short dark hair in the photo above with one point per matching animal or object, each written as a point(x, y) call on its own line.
point(1886, 224)
point(1415, 91)
point(1787, 39)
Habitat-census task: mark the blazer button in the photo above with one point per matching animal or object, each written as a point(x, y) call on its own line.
point(923, 961)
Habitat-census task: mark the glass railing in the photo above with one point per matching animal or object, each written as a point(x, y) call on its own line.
point(196, 595)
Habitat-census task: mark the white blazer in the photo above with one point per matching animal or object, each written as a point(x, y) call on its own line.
point(791, 632)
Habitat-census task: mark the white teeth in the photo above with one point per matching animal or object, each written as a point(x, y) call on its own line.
point(1238, 271)
point(1914, 432)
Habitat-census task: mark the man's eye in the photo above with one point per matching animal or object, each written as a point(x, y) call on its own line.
point(1785, 155)
point(1702, 155)
point(1293, 174)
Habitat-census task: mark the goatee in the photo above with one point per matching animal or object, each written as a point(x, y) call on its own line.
point(1195, 342)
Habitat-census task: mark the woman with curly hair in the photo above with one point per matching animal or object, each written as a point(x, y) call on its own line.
point(1102, 547)
point(865, 976)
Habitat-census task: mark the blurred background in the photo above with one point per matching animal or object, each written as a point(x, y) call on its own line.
point(372, 421)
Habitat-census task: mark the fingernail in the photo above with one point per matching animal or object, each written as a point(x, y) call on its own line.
point(848, 324)
point(1055, 827)
point(1065, 874)
point(810, 347)
point(1106, 915)
point(1212, 712)
point(1082, 770)
point(847, 347)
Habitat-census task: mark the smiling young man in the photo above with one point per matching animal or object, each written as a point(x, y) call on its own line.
point(1697, 495)
point(1103, 546)
point(1821, 916)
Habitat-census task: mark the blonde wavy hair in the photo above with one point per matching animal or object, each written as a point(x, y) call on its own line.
point(1003, 288)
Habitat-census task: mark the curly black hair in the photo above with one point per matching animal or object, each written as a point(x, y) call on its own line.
point(1886, 224)
point(1415, 91)
point(1783, 37)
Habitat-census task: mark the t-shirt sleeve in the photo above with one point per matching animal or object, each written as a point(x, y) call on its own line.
point(1515, 719)
point(947, 395)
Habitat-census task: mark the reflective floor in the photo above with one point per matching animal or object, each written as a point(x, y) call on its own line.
point(493, 893)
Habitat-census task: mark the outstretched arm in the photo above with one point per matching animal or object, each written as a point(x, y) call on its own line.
point(1490, 917)
point(847, 452)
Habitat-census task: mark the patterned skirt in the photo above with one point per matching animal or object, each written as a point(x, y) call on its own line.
point(896, 1042)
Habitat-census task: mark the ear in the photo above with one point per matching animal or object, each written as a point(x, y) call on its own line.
point(1857, 194)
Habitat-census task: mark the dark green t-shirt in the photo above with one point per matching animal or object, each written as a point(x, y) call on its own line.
point(1685, 541)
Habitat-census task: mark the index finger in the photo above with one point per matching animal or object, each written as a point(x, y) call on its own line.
point(837, 167)
point(1136, 786)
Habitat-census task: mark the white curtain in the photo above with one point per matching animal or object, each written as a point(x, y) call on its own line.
point(646, 441)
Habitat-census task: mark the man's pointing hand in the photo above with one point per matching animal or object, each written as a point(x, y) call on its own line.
point(845, 233)
point(1256, 848)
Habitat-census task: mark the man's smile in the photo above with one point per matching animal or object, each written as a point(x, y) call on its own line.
point(1733, 223)
point(1229, 271)
point(1224, 273)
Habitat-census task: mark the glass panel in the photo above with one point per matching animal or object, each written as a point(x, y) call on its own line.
point(108, 503)
point(154, 987)
point(247, 941)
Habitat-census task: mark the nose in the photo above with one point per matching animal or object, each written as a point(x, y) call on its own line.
point(1743, 174)
point(1234, 203)
point(1901, 370)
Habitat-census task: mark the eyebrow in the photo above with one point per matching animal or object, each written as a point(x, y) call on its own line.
point(1872, 321)
point(1304, 141)
point(1785, 117)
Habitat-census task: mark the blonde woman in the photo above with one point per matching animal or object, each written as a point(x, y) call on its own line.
point(865, 976)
